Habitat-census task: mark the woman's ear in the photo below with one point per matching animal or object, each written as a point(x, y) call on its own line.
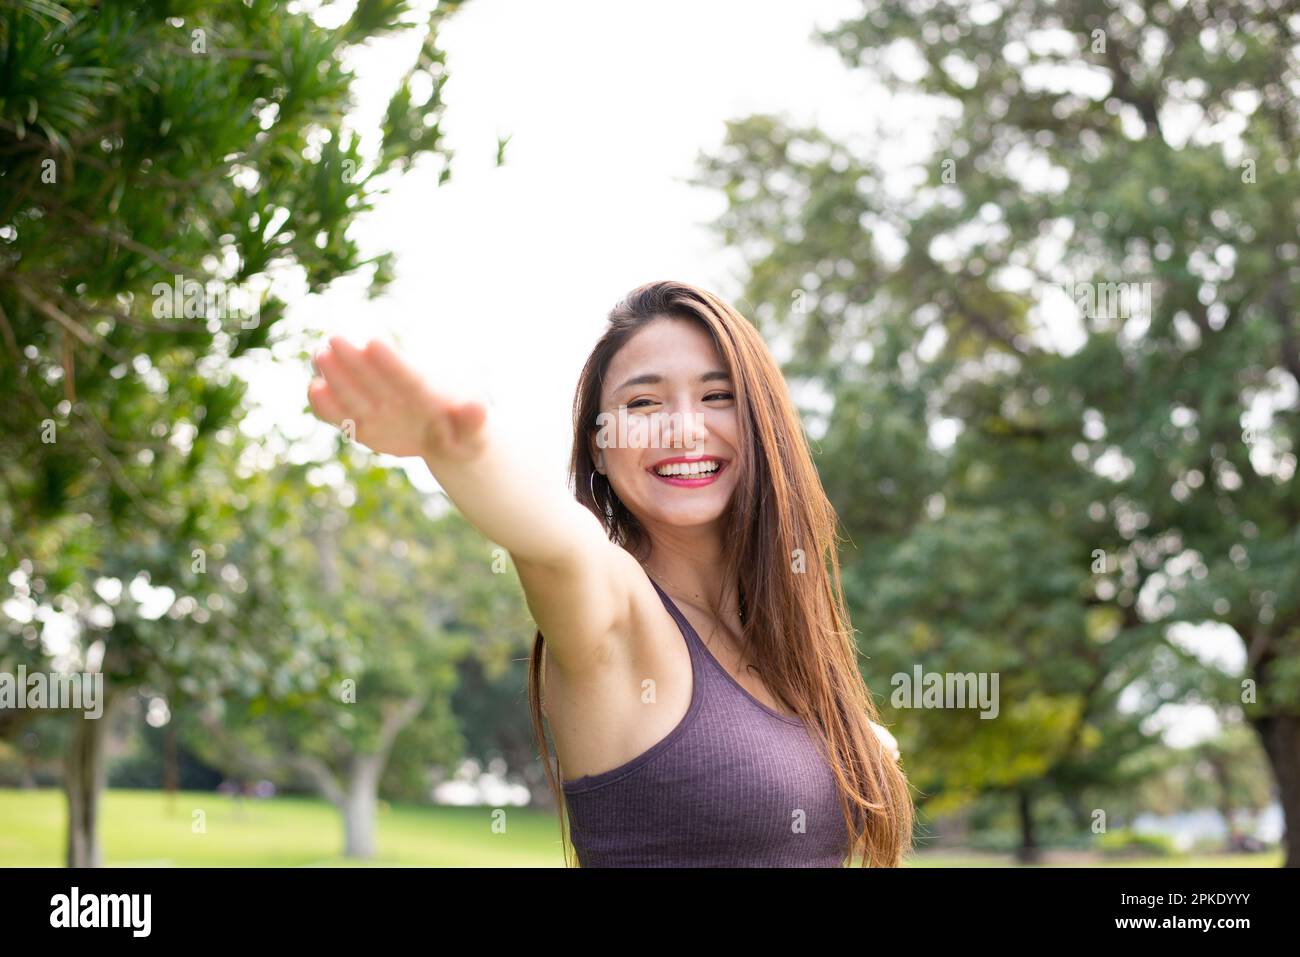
point(597, 456)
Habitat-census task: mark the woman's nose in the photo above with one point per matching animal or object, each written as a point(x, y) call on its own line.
point(687, 428)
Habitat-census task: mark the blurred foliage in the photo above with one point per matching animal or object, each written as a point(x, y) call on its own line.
point(161, 163)
point(399, 593)
point(201, 140)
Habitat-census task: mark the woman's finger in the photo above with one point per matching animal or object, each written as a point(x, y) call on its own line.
point(323, 402)
point(361, 372)
point(346, 392)
point(469, 419)
point(393, 370)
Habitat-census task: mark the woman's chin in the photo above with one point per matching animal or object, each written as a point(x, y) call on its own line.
point(684, 515)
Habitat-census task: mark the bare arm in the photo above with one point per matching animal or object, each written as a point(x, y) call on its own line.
point(577, 582)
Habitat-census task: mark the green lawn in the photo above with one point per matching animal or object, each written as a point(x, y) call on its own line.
point(145, 829)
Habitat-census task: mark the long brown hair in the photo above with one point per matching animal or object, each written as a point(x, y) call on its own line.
point(779, 517)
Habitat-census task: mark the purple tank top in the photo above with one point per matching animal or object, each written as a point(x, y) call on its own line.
point(734, 784)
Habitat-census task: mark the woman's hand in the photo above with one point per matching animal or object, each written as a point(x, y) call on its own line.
point(390, 408)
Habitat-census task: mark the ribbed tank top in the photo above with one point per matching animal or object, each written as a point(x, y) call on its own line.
point(734, 784)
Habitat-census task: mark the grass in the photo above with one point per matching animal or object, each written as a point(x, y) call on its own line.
point(148, 829)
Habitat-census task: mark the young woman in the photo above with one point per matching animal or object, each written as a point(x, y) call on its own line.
point(699, 673)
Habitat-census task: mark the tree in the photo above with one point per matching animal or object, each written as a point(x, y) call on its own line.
point(161, 163)
point(1135, 164)
point(403, 595)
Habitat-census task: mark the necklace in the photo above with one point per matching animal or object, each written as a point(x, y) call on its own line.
point(739, 597)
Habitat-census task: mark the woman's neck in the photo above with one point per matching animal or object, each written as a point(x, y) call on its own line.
point(692, 568)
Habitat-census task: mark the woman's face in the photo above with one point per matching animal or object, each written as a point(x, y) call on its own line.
point(675, 399)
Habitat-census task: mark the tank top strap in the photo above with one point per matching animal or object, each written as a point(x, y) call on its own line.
point(683, 623)
point(700, 653)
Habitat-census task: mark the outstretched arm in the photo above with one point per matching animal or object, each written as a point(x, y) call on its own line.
point(578, 583)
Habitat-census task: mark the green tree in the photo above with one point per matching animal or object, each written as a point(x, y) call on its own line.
point(1229, 774)
point(404, 594)
point(160, 163)
point(1138, 164)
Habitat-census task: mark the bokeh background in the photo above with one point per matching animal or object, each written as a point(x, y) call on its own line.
point(1031, 269)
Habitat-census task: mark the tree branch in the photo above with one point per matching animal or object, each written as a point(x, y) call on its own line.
point(122, 239)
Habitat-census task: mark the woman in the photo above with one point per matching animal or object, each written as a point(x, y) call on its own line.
point(700, 673)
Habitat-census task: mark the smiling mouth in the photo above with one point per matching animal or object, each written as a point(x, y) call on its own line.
point(689, 473)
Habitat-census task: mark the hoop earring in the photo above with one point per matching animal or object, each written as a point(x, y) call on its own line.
point(591, 483)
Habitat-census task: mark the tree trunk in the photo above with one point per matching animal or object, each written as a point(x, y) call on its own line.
point(361, 805)
point(171, 760)
point(85, 771)
point(1081, 814)
point(1028, 852)
point(361, 801)
point(1280, 735)
point(1223, 781)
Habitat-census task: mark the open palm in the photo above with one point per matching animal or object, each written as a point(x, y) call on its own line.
point(384, 404)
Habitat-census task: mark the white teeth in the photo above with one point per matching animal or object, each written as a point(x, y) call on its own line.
point(689, 469)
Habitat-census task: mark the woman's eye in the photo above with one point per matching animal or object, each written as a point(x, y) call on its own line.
point(708, 398)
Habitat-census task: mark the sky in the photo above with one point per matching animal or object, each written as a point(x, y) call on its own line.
point(505, 274)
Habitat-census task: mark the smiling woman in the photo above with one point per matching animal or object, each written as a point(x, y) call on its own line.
point(754, 745)
point(742, 747)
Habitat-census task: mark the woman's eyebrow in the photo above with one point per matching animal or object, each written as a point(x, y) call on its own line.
point(654, 378)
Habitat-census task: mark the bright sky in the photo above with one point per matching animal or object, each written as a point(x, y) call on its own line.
point(505, 275)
